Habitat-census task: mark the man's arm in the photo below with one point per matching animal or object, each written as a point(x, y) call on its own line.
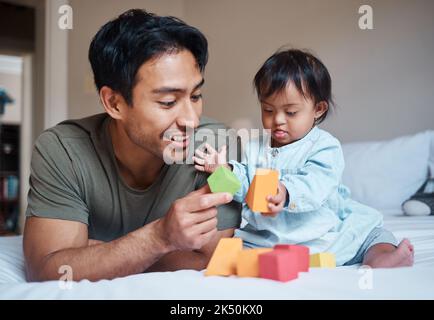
point(195, 259)
point(51, 243)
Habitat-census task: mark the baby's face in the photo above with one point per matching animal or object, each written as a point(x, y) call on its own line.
point(289, 115)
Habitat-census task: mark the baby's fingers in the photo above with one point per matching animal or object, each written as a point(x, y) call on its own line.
point(278, 198)
point(200, 168)
point(275, 208)
point(209, 149)
point(200, 153)
point(198, 160)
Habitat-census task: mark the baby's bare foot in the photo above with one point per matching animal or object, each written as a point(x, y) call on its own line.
point(402, 256)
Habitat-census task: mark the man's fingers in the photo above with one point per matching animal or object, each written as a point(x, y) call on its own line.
point(204, 215)
point(203, 190)
point(200, 202)
point(195, 218)
point(207, 237)
point(205, 226)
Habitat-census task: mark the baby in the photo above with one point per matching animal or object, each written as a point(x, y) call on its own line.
point(311, 207)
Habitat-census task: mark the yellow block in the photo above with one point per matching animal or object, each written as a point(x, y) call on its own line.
point(322, 260)
point(248, 262)
point(264, 183)
point(224, 260)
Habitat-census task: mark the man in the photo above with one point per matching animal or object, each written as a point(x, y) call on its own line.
point(102, 199)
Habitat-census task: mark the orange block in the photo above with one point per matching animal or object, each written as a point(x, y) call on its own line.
point(264, 183)
point(224, 259)
point(248, 262)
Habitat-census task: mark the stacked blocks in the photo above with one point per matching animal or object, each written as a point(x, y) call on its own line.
point(323, 260)
point(281, 265)
point(264, 183)
point(223, 262)
point(223, 180)
point(248, 262)
point(303, 255)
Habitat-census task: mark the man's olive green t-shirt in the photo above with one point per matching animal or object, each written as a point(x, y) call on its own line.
point(74, 176)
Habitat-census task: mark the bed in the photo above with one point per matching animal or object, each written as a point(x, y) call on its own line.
point(373, 182)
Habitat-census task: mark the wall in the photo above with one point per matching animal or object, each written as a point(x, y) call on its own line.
point(89, 16)
point(383, 79)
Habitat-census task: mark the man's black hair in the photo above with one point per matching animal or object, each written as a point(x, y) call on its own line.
point(122, 45)
point(308, 73)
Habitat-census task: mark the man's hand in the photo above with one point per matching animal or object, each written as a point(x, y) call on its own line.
point(277, 202)
point(192, 221)
point(50, 243)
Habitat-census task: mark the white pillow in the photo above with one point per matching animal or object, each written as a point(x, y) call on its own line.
point(386, 173)
point(431, 157)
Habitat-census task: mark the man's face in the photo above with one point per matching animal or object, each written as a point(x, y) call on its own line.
point(167, 102)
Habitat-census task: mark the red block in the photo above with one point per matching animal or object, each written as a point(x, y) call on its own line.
point(302, 251)
point(280, 265)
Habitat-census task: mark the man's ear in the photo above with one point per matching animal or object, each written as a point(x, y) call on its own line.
point(320, 108)
point(114, 104)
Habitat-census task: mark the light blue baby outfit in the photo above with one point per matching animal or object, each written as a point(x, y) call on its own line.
point(320, 213)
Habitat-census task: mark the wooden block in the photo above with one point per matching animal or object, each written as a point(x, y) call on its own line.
point(322, 260)
point(303, 254)
point(224, 259)
point(248, 262)
point(264, 183)
point(224, 180)
point(280, 265)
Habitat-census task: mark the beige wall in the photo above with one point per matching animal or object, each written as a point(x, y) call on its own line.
point(383, 78)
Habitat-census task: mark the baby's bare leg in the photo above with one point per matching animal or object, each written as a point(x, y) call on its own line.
point(385, 255)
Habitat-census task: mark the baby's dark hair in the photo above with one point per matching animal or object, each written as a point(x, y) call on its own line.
point(308, 73)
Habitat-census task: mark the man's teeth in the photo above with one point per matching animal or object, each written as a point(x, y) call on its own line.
point(178, 138)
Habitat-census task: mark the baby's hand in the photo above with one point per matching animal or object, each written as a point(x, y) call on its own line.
point(277, 202)
point(210, 160)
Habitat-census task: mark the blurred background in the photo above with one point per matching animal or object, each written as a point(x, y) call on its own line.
point(383, 78)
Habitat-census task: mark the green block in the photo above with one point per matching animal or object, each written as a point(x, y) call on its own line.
point(224, 180)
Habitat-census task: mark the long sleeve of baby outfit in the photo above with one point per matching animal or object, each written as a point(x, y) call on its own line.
point(312, 183)
point(240, 169)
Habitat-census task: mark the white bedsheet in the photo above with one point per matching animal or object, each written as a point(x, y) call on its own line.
point(340, 283)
